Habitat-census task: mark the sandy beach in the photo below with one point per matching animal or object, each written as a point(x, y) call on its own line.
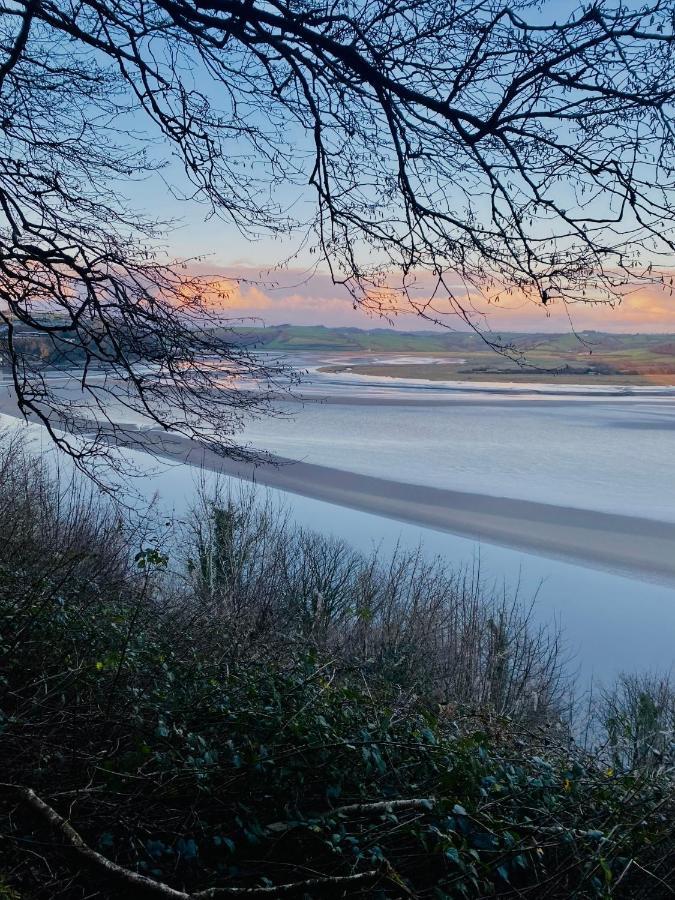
point(625, 544)
point(620, 543)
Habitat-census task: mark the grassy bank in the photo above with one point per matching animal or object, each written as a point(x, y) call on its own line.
point(255, 710)
point(480, 368)
point(587, 358)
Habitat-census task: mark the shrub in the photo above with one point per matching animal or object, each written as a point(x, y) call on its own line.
point(223, 728)
point(405, 620)
point(637, 716)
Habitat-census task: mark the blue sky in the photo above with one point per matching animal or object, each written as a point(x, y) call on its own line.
point(287, 296)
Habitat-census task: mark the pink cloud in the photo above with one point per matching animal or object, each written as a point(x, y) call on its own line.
point(298, 296)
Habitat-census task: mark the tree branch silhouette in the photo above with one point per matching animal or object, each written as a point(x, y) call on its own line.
point(474, 146)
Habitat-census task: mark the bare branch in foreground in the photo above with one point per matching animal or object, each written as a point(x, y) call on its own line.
point(431, 156)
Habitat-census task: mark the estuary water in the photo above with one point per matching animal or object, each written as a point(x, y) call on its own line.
point(610, 623)
point(606, 449)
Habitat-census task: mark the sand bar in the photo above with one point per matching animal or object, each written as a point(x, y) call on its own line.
point(630, 545)
point(627, 544)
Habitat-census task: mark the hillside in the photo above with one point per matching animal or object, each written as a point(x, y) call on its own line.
point(596, 356)
point(610, 358)
point(319, 337)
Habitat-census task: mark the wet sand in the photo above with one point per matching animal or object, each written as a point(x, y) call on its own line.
point(626, 544)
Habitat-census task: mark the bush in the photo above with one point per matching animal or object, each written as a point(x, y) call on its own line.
point(638, 719)
point(226, 725)
point(405, 620)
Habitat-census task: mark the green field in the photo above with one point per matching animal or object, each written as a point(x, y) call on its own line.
point(593, 356)
point(588, 356)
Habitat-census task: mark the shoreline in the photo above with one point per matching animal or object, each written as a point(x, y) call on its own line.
point(440, 375)
point(631, 546)
point(626, 545)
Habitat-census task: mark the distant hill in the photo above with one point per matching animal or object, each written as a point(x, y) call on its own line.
point(319, 337)
point(590, 356)
point(620, 358)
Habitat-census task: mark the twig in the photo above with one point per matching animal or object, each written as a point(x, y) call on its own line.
point(668, 887)
point(326, 885)
point(358, 809)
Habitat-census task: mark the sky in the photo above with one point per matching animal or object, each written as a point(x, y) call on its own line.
point(297, 294)
point(304, 297)
point(259, 288)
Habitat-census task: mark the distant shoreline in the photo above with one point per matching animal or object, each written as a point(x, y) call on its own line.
point(440, 371)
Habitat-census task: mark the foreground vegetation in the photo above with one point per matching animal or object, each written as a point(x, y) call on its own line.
point(252, 710)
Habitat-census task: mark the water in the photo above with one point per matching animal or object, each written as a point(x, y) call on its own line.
point(608, 450)
point(610, 623)
point(601, 450)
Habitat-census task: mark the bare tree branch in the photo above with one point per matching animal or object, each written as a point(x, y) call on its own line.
point(476, 147)
point(140, 885)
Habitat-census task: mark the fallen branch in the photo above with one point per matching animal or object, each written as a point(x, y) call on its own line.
point(326, 885)
point(141, 885)
point(382, 806)
point(48, 815)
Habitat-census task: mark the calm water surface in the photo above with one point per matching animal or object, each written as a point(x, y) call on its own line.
point(606, 450)
point(611, 453)
point(611, 623)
